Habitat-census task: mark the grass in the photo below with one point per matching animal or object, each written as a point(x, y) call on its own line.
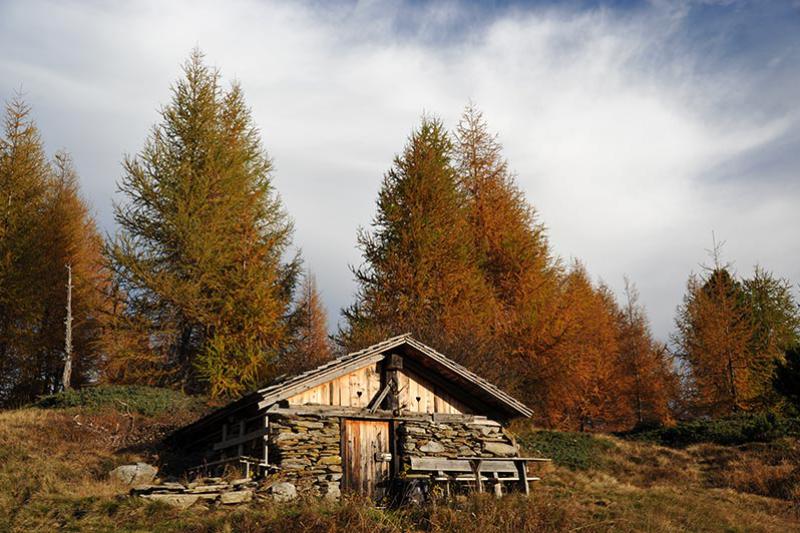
point(54, 465)
point(148, 401)
point(576, 451)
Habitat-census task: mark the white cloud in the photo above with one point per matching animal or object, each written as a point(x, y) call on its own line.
point(617, 133)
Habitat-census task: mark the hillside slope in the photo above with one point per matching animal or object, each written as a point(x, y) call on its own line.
point(55, 459)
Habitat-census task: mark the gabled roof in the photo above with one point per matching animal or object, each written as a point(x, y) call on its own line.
point(475, 388)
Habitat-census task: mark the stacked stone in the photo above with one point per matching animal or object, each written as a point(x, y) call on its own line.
point(455, 439)
point(207, 490)
point(306, 448)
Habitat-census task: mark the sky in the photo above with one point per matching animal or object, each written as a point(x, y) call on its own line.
point(635, 129)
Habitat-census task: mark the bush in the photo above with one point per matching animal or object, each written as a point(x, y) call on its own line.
point(147, 401)
point(576, 451)
point(732, 430)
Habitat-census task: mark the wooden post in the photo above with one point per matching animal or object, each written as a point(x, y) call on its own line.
point(476, 469)
point(240, 448)
point(391, 365)
point(266, 441)
point(522, 468)
point(67, 375)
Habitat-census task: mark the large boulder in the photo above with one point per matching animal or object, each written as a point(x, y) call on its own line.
point(134, 475)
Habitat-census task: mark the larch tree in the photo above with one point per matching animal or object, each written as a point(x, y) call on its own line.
point(74, 243)
point(199, 258)
point(512, 252)
point(23, 183)
point(713, 335)
point(592, 386)
point(420, 273)
point(44, 226)
point(310, 345)
point(647, 364)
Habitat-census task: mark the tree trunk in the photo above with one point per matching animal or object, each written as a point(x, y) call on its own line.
point(67, 376)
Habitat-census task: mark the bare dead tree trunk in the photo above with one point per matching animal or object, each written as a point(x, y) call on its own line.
point(67, 376)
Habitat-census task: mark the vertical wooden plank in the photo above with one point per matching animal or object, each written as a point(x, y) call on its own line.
point(344, 383)
point(353, 380)
point(266, 439)
point(402, 383)
point(240, 447)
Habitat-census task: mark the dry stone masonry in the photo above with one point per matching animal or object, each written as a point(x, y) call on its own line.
point(455, 438)
point(307, 451)
point(207, 491)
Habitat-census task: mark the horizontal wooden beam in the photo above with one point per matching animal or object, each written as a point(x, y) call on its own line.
point(358, 412)
point(253, 435)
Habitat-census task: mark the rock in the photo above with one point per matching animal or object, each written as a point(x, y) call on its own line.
point(330, 460)
point(498, 449)
point(431, 447)
point(333, 492)
point(138, 474)
point(309, 424)
point(283, 492)
point(143, 489)
point(283, 437)
point(200, 489)
point(171, 485)
point(465, 452)
point(181, 501)
point(236, 496)
point(295, 463)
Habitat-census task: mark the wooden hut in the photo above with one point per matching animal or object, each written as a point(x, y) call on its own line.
point(395, 410)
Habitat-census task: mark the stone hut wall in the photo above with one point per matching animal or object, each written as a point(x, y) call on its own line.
point(454, 438)
point(307, 448)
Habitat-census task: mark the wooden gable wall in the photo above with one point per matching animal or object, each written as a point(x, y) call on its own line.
point(343, 392)
point(432, 399)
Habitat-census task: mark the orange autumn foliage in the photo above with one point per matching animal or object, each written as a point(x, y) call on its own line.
point(458, 257)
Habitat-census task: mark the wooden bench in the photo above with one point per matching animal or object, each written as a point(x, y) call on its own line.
point(474, 469)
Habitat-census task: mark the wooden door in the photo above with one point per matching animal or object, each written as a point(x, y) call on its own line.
point(366, 457)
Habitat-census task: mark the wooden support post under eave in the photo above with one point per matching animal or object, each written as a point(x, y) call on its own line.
point(391, 367)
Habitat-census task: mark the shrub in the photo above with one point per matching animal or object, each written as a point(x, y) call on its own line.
point(576, 451)
point(732, 430)
point(147, 401)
